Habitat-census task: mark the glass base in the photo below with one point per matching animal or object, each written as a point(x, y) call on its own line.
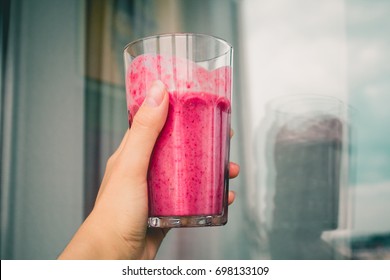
point(187, 221)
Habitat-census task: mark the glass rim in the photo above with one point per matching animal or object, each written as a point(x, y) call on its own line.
point(181, 34)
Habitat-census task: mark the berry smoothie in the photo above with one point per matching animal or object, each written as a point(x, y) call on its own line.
point(188, 169)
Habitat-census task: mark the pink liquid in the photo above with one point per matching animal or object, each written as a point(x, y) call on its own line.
point(188, 169)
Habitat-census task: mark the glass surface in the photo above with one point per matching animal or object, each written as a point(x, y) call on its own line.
point(188, 171)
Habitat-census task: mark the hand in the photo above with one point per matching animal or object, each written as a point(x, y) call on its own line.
point(117, 226)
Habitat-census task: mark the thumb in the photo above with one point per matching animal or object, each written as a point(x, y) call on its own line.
point(145, 128)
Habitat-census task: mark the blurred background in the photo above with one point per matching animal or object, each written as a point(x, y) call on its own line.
point(310, 115)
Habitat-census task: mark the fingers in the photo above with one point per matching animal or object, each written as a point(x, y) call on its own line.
point(231, 197)
point(146, 126)
point(234, 170)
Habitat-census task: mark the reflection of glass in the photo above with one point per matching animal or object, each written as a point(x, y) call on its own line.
point(305, 139)
point(188, 170)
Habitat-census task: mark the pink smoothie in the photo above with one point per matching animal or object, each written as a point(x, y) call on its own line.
point(188, 169)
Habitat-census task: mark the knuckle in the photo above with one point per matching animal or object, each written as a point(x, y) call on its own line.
point(110, 162)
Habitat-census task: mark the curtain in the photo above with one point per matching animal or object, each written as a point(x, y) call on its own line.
point(42, 122)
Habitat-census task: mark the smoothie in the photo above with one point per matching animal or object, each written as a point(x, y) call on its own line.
point(188, 169)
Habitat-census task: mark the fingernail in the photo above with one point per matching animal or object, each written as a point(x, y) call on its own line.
point(156, 94)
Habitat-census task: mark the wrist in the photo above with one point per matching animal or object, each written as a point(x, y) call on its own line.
point(95, 239)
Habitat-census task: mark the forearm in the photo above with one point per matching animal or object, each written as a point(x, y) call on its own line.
point(95, 240)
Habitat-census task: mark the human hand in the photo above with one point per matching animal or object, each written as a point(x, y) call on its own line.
point(117, 226)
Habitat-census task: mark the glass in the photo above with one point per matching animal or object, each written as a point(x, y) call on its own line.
point(304, 200)
point(188, 172)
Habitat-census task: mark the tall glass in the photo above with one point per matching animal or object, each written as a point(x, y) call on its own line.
point(188, 171)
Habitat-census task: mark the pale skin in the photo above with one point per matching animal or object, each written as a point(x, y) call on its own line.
point(117, 226)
